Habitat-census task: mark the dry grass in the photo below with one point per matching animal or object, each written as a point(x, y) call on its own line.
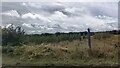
point(67, 51)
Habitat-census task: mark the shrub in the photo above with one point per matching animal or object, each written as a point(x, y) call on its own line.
point(12, 35)
point(19, 50)
point(7, 49)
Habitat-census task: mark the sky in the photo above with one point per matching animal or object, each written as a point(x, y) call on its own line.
point(51, 17)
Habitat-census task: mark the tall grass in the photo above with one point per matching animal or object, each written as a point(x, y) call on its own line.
point(101, 36)
point(38, 39)
point(72, 50)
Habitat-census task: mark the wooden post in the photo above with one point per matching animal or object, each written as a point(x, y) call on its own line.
point(89, 45)
point(89, 39)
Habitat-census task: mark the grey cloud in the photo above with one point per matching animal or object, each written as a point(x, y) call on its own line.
point(78, 20)
point(6, 6)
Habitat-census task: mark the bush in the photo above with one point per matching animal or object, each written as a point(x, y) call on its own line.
point(12, 35)
point(7, 49)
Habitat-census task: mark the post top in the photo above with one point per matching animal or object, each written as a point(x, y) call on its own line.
point(88, 28)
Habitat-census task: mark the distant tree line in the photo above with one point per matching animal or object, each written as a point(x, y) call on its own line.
point(16, 36)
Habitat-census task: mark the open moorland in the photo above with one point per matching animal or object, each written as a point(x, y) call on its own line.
point(60, 50)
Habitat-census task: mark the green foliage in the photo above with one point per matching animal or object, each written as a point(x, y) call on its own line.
point(18, 50)
point(7, 49)
point(64, 53)
point(32, 52)
point(51, 38)
point(15, 36)
point(100, 36)
point(12, 35)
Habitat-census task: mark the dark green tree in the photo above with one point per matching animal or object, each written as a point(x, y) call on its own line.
point(12, 35)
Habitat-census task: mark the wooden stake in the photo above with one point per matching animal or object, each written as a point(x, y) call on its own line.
point(89, 44)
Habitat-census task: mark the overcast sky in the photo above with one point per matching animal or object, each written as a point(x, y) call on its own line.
point(54, 17)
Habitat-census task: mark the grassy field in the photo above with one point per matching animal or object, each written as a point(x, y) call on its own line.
point(65, 53)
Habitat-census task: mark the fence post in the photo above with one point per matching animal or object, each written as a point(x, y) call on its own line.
point(89, 39)
point(90, 53)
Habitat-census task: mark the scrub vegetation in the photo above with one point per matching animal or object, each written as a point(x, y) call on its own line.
point(59, 49)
